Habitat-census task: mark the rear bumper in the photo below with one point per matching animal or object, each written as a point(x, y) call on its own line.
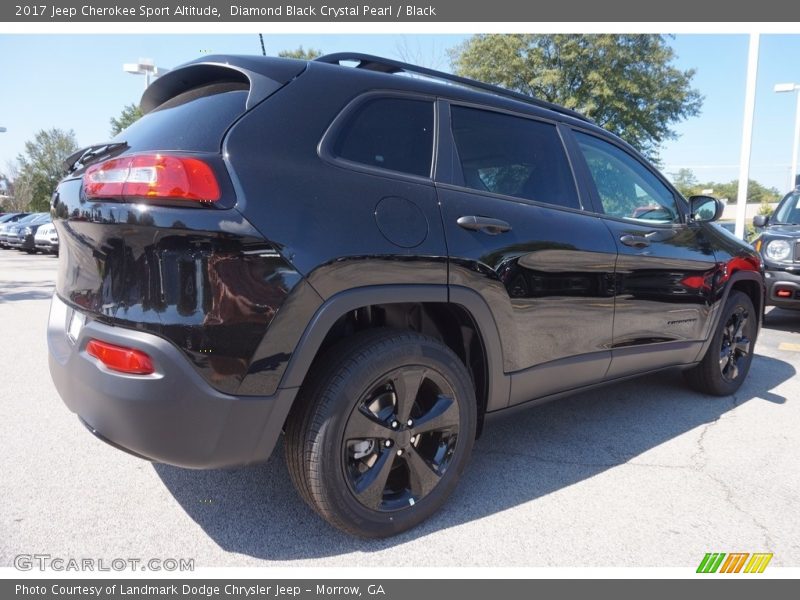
point(782, 280)
point(172, 416)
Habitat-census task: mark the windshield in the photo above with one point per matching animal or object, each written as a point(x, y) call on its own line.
point(788, 212)
point(28, 219)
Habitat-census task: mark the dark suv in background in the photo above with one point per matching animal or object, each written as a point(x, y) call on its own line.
point(779, 245)
point(22, 235)
point(372, 263)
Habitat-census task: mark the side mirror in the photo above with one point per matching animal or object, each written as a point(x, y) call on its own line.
point(705, 208)
point(760, 221)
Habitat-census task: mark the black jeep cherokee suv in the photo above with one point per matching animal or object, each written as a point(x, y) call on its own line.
point(779, 245)
point(372, 263)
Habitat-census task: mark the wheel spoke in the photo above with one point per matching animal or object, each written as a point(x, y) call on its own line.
point(724, 358)
point(742, 346)
point(406, 387)
point(442, 415)
point(733, 369)
point(362, 427)
point(422, 477)
point(369, 487)
point(742, 321)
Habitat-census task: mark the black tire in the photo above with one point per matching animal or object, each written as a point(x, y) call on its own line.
point(727, 360)
point(347, 452)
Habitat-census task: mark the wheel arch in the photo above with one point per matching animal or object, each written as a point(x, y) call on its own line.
point(457, 316)
point(751, 284)
point(748, 282)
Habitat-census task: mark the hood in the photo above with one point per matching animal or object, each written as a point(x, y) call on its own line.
point(790, 230)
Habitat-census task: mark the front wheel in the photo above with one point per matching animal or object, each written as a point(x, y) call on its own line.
point(383, 432)
point(727, 360)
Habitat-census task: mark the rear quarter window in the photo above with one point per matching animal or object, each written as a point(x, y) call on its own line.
point(388, 133)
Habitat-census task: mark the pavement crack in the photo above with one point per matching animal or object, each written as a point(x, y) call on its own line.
point(700, 463)
point(698, 457)
point(731, 501)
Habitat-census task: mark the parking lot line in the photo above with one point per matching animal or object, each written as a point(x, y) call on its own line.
point(790, 347)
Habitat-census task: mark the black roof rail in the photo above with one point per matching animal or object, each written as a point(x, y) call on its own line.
point(387, 65)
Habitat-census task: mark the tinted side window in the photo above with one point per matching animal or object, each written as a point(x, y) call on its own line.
point(626, 188)
point(513, 156)
point(390, 133)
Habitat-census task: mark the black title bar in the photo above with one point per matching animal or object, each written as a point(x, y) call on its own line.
point(485, 11)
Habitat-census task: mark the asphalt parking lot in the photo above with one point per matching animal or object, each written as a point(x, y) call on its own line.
point(643, 473)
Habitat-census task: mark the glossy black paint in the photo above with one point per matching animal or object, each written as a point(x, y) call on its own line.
point(554, 267)
point(202, 278)
point(250, 289)
point(665, 291)
point(318, 211)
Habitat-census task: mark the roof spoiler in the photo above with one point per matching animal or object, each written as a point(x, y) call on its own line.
point(263, 76)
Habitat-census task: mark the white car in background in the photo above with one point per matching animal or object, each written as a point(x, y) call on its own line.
point(46, 239)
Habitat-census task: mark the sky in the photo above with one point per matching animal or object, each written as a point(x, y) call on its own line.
point(77, 82)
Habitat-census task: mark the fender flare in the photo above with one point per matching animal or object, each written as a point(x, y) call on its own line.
point(735, 277)
point(339, 304)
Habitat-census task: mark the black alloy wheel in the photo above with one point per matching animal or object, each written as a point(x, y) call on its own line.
point(400, 438)
point(382, 431)
point(726, 363)
point(735, 346)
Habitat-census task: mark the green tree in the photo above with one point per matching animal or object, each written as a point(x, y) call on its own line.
point(765, 209)
point(40, 167)
point(129, 115)
point(686, 182)
point(625, 83)
point(756, 192)
point(300, 52)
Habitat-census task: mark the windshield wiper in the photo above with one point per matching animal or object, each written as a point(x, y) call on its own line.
point(89, 154)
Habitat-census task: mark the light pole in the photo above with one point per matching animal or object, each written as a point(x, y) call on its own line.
point(145, 67)
point(792, 87)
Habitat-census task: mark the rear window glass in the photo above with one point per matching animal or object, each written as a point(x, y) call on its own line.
point(195, 120)
point(389, 133)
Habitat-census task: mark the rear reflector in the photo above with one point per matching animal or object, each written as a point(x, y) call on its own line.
point(161, 176)
point(119, 358)
point(784, 293)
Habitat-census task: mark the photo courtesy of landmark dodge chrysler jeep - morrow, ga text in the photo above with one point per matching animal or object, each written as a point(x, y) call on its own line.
point(371, 264)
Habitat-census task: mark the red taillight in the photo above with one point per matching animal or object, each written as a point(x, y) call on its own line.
point(784, 293)
point(120, 358)
point(152, 176)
